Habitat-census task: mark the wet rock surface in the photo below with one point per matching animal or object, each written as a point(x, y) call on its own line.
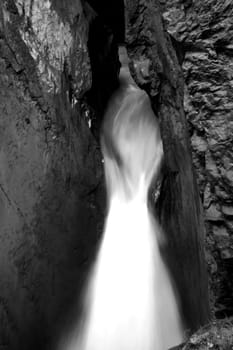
point(204, 31)
point(216, 335)
point(155, 68)
point(51, 178)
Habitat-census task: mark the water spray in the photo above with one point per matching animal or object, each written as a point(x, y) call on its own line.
point(130, 303)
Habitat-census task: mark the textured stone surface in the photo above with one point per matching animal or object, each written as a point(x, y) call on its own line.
point(56, 37)
point(50, 169)
point(215, 335)
point(204, 30)
point(155, 68)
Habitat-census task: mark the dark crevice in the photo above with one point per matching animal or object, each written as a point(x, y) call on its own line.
point(111, 13)
point(106, 32)
point(105, 66)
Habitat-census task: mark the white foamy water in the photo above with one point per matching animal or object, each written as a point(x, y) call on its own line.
point(130, 303)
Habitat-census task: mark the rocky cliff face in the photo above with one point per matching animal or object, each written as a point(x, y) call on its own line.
point(155, 68)
point(203, 33)
point(51, 197)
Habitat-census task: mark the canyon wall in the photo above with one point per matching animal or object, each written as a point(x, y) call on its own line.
point(203, 33)
point(51, 179)
point(155, 68)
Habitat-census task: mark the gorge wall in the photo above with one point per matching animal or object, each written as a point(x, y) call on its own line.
point(203, 33)
point(155, 68)
point(51, 179)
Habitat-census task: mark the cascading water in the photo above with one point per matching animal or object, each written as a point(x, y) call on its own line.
point(130, 303)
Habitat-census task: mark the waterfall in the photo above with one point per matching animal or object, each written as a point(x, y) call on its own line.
point(130, 302)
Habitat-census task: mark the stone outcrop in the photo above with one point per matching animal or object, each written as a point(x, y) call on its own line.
point(204, 33)
point(215, 335)
point(51, 195)
point(155, 68)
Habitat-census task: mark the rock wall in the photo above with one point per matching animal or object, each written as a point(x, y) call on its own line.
point(203, 32)
point(155, 68)
point(51, 179)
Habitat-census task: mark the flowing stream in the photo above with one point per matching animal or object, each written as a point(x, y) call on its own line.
point(130, 303)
